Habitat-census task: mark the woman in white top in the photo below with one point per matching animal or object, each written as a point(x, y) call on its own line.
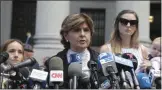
point(124, 38)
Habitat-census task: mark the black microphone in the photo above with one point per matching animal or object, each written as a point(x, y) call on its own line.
point(3, 57)
point(121, 69)
point(104, 82)
point(129, 79)
point(56, 71)
point(94, 76)
point(18, 79)
point(132, 58)
point(28, 62)
point(123, 79)
point(74, 71)
point(23, 73)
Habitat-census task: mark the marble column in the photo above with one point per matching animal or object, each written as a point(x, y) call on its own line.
point(142, 8)
point(49, 17)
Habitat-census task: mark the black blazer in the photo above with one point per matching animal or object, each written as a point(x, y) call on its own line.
point(62, 55)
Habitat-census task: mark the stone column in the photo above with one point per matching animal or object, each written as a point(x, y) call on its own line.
point(6, 19)
point(49, 17)
point(142, 8)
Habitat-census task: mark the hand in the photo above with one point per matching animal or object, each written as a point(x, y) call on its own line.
point(145, 64)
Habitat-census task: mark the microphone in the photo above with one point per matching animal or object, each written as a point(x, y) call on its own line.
point(74, 71)
point(56, 71)
point(135, 63)
point(109, 68)
point(38, 80)
point(3, 57)
point(105, 60)
point(104, 82)
point(117, 65)
point(121, 70)
point(24, 74)
point(85, 79)
point(131, 57)
point(94, 76)
point(144, 81)
point(129, 79)
point(18, 79)
point(28, 62)
point(154, 74)
point(123, 78)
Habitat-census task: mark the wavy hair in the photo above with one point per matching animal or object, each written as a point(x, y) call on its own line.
point(72, 22)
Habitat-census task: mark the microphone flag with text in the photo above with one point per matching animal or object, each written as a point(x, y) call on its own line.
point(56, 72)
point(37, 79)
point(109, 68)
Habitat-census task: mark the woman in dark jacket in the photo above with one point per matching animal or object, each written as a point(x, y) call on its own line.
point(76, 32)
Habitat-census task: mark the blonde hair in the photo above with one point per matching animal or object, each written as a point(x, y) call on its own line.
point(116, 40)
point(157, 40)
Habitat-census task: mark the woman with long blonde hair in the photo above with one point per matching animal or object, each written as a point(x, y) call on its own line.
point(124, 38)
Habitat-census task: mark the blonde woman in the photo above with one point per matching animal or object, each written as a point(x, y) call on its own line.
point(124, 38)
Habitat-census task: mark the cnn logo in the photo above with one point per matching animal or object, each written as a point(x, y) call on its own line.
point(56, 75)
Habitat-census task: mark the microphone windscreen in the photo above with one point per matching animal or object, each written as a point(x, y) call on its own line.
point(3, 56)
point(144, 81)
point(75, 69)
point(55, 63)
point(85, 77)
point(91, 64)
point(131, 57)
point(28, 62)
point(24, 71)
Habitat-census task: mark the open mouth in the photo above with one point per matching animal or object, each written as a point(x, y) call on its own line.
point(82, 41)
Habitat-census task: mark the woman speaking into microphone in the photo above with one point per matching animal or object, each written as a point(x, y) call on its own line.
point(76, 34)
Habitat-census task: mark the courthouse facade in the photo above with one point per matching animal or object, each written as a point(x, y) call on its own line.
point(50, 14)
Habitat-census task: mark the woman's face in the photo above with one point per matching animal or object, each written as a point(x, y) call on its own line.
point(15, 51)
point(127, 24)
point(79, 38)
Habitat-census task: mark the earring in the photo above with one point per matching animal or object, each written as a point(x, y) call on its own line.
point(67, 41)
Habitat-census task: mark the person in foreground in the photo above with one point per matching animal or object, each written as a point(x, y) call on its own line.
point(76, 32)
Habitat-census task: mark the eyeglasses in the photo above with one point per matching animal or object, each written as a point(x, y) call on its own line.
point(125, 22)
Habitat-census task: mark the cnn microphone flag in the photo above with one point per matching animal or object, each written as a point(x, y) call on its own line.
point(56, 75)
